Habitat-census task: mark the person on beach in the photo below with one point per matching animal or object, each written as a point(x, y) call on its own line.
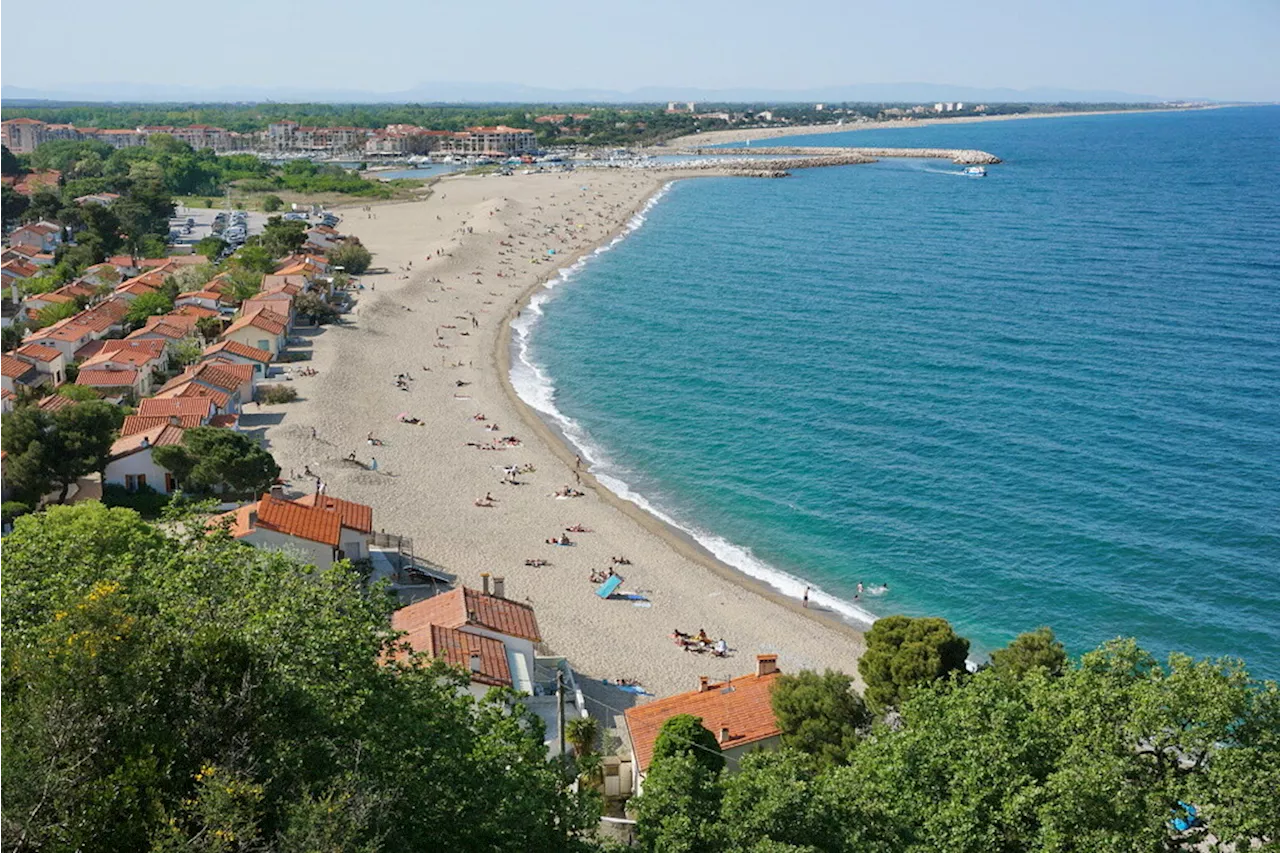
point(858, 594)
point(806, 597)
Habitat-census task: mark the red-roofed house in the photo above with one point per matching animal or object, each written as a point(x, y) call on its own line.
point(279, 302)
point(484, 615)
point(148, 356)
point(203, 298)
point(319, 534)
point(19, 374)
point(177, 406)
point(234, 380)
point(480, 614)
point(263, 329)
point(134, 424)
point(130, 464)
point(47, 360)
point(235, 352)
point(66, 336)
point(738, 712)
point(43, 236)
point(116, 382)
point(483, 658)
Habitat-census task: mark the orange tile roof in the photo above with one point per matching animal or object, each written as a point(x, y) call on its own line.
point(37, 351)
point(463, 606)
point(226, 377)
point(264, 319)
point(740, 704)
point(157, 436)
point(63, 331)
point(150, 346)
point(106, 377)
point(456, 648)
point(197, 311)
point(142, 423)
point(54, 402)
point(20, 268)
point(13, 367)
point(304, 522)
point(224, 421)
point(200, 294)
point(135, 288)
point(179, 406)
point(237, 348)
point(355, 516)
point(194, 389)
point(132, 352)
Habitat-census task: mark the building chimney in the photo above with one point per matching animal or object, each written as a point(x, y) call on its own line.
point(253, 517)
point(500, 587)
point(277, 491)
point(766, 664)
point(703, 682)
point(175, 420)
point(724, 734)
point(484, 578)
point(475, 660)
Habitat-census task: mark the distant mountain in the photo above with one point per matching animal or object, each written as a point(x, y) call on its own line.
point(519, 93)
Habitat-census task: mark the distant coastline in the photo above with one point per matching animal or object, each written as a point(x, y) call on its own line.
point(718, 137)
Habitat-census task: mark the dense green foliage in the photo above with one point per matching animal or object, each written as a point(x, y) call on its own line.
point(1037, 649)
point(351, 255)
point(48, 450)
point(211, 460)
point(903, 653)
point(819, 715)
point(180, 691)
point(1094, 759)
point(282, 236)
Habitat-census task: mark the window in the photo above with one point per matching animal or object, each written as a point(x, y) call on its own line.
point(130, 483)
point(264, 345)
point(169, 483)
point(142, 481)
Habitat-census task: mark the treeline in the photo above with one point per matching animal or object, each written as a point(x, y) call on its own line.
point(89, 166)
point(1113, 752)
point(174, 689)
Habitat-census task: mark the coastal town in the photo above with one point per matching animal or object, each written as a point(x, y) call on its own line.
point(330, 386)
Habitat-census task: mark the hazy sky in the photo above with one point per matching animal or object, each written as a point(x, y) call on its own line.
point(1225, 49)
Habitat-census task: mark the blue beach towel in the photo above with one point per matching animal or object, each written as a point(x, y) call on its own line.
point(609, 587)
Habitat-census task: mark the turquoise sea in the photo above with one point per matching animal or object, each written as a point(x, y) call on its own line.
point(1046, 397)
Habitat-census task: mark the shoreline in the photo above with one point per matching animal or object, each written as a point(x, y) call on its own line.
point(468, 227)
point(564, 447)
point(719, 137)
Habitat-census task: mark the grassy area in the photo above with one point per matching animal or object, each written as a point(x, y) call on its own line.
point(400, 190)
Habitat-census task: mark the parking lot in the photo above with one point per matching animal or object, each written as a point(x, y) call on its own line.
point(202, 225)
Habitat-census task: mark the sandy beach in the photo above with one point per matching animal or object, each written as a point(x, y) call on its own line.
point(458, 266)
point(719, 137)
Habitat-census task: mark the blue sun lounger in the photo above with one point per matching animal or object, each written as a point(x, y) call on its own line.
point(609, 587)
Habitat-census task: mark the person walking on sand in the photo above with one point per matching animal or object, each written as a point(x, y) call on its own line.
point(806, 597)
point(373, 463)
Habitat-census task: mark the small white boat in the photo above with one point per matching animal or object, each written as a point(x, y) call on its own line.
point(976, 171)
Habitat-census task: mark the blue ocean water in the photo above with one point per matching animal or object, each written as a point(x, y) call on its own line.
point(1046, 397)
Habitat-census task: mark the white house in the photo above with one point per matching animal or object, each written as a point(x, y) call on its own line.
point(264, 329)
point(47, 360)
point(432, 625)
point(738, 712)
point(130, 464)
point(319, 534)
point(235, 352)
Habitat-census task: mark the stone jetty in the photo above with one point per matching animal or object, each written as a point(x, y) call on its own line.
point(962, 156)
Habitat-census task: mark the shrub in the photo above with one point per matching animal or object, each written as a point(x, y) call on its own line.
point(208, 203)
point(351, 256)
point(146, 501)
point(272, 203)
point(10, 510)
point(272, 394)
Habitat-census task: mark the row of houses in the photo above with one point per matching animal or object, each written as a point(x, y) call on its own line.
point(136, 365)
point(23, 135)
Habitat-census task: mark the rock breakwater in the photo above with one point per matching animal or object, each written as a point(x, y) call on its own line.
point(962, 156)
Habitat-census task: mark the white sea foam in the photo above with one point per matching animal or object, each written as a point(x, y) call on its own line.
point(536, 388)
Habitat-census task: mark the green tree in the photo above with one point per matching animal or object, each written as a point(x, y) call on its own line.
point(684, 734)
point(54, 449)
point(148, 305)
point(44, 203)
point(581, 733)
point(51, 314)
point(218, 461)
point(208, 328)
point(282, 236)
point(211, 247)
point(9, 165)
point(1028, 651)
point(15, 205)
point(313, 306)
point(253, 259)
point(12, 335)
point(187, 351)
point(181, 691)
point(819, 715)
point(680, 806)
point(351, 255)
point(903, 653)
point(272, 203)
point(79, 393)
